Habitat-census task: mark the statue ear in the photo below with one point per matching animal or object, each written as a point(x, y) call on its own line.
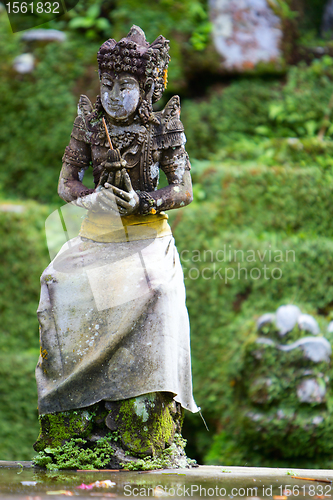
point(149, 89)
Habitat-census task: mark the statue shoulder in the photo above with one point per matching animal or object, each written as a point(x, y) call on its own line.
point(168, 129)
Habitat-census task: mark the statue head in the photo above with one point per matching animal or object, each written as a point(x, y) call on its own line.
point(133, 74)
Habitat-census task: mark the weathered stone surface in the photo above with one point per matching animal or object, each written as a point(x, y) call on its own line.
point(316, 349)
point(140, 427)
point(284, 390)
point(311, 391)
point(308, 323)
point(245, 33)
point(43, 35)
point(286, 318)
point(25, 63)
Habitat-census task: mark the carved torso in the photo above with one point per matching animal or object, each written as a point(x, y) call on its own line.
point(146, 148)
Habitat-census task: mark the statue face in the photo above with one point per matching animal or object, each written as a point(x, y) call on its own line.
point(120, 95)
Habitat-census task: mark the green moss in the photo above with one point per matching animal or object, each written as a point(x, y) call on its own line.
point(167, 459)
point(76, 454)
point(145, 424)
point(56, 428)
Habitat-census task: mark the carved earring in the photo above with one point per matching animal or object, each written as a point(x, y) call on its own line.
point(149, 89)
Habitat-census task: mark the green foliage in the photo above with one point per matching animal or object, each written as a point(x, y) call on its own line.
point(227, 115)
point(90, 21)
point(291, 152)
point(258, 244)
point(37, 113)
point(18, 403)
point(76, 454)
point(248, 111)
point(164, 460)
point(184, 23)
point(311, 13)
point(265, 199)
point(24, 256)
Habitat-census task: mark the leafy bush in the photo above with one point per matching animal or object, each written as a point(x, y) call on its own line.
point(227, 115)
point(248, 243)
point(18, 403)
point(37, 113)
point(257, 109)
point(23, 257)
point(273, 199)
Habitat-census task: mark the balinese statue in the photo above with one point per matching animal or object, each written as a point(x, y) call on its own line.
point(114, 329)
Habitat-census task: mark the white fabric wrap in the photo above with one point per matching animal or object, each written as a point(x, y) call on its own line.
point(113, 325)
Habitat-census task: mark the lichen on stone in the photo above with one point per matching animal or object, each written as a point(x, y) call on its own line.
point(111, 434)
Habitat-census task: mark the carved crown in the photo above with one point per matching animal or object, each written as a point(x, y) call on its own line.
point(133, 54)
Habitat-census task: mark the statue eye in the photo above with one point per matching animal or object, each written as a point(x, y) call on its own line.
point(107, 83)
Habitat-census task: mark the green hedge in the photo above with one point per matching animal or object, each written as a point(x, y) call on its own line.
point(18, 405)
point(223, 307)
point(257, 109)
point(278, 218)
point(23, 258)
point(37, 113)
point(282, 199)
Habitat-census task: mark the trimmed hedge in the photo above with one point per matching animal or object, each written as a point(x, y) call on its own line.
point(18, 405)
point(23, 258)
point(283, 199)
point(264, 217)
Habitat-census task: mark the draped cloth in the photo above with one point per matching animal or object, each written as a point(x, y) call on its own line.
point(113, 320)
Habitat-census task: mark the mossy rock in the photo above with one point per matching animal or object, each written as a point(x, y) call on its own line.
point(147, 424)
point(136, 428)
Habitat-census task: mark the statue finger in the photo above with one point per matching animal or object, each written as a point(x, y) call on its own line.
point(122, 203)
point(127, 181)
point(104, 206)
point(121, 194)
point(110, 178)
point(107, 198)
point(117, 178)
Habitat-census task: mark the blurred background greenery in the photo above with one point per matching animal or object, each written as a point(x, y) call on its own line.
point(261, 145)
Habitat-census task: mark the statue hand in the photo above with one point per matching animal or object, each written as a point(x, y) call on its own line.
point(103, 199)
point(127, 200)
point(112, 171)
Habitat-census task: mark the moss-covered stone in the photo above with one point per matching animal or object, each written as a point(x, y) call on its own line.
point(282, 403)
point(147, 424)
point(133, 428)
point(57, 428)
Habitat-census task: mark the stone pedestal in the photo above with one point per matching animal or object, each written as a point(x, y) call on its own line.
point(122, 431)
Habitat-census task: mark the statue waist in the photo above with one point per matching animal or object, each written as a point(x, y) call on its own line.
point(109, 227)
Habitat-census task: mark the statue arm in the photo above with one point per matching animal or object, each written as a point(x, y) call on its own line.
point(176, 166)
point(76, 160)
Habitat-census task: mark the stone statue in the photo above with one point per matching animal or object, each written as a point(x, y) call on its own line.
point(283, 391)
point(114, 328)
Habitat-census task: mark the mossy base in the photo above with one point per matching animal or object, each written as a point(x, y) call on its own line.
point(114, 433)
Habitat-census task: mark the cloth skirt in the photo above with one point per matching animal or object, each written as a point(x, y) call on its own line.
point(113, 324)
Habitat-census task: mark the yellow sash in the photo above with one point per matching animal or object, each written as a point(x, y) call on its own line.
point(108, 227)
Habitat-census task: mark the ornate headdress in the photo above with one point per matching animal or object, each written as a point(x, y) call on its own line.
point(133, 54)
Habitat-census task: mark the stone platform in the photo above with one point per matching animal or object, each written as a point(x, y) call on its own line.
point(20, 480)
